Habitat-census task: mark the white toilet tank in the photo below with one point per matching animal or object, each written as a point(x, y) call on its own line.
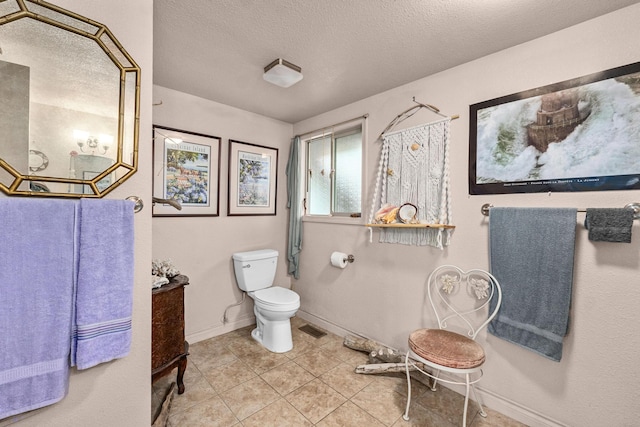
point(255, 269)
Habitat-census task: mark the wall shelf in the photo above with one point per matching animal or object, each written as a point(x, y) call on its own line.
point(398, 225)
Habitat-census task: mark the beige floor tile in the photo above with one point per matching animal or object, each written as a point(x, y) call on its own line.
point(349, 415)
point(398, 382)
point(358, 358)
point(287, 377)
point(278, 414)
point(243, 346)
point(226, 339)
point(335, 345)
point(263, 360)
point(197, 392)
point(209, 413)
point(422, 417)
point(302, 345)
point(191, 375)
point(249, 397)
point(345, 381)
point(296, 322)
point(210, 353)
point(319, 386)
point(315, 400)
point(448, 404)
point(317, 361)
point(383, 403)
point(228, 376)
point(328, 338)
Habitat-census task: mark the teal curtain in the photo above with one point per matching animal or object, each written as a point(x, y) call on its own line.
point(294, 203)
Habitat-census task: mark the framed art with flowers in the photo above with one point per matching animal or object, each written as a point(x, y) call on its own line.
point(253, 176)
point(186, 170)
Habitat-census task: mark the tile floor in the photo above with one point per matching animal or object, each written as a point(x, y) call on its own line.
point(233, 381)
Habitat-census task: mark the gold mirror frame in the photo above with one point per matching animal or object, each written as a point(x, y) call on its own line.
point(15, 182)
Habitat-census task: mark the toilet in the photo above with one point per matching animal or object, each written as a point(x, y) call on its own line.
point(273, 306)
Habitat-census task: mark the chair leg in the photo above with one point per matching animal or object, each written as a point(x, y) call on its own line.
point(483, 414)
point(406, 368)
point(466, 402)
point(435, 380)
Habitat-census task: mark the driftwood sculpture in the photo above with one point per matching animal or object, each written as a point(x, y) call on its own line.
point(382, 359)
point(377, 352)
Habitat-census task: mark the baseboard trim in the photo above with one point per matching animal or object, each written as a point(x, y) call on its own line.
point(220, 329)
point(326, 324)
point(516, 411)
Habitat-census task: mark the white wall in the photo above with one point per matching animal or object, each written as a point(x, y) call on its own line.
point(118, 393)
point(380, 295)
point(201, 247)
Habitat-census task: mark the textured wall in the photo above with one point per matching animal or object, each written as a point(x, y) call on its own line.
point(380, 295)
point(201, 247)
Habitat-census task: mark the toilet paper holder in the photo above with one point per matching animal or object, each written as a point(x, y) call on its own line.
point(341, 259)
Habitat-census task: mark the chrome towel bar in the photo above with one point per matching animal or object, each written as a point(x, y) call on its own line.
point(484, 209)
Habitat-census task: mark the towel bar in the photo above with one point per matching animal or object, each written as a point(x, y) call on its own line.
point(138, 203)
point(484, 209)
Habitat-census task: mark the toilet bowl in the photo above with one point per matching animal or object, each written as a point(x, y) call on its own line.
point(274, 306)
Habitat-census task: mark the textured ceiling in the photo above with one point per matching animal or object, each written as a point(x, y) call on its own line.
point(348, 49)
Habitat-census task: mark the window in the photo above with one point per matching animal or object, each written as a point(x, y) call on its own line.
point(334, 174)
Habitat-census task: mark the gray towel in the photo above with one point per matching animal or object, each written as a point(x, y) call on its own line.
point(609, 225)
point(532, 258)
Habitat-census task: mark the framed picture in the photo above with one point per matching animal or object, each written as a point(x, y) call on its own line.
point(577, 135)
point(186, 169)
point(253, 176)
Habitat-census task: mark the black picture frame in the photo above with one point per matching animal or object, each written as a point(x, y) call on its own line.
point(253, 179)
point(192, 178)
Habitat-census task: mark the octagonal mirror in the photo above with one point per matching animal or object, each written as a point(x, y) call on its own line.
point(69, 116)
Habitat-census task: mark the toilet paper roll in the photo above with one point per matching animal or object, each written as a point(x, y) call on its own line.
point(339, 259)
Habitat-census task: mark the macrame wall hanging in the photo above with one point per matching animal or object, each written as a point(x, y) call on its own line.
point(414, 207)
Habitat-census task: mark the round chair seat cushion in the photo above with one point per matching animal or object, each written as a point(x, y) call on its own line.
point(446, 348)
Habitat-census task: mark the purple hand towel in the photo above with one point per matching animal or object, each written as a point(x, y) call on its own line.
point(36, 292)
point(104, 291)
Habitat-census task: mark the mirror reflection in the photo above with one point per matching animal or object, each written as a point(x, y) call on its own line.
point(69, 116)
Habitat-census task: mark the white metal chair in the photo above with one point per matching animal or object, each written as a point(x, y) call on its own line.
point(464, 303)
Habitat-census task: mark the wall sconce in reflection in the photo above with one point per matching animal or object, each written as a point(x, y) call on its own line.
point(102, 142)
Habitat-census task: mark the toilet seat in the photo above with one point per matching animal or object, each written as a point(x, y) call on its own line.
point(276, 298)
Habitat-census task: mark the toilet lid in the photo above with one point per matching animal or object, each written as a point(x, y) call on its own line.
point(276, 295)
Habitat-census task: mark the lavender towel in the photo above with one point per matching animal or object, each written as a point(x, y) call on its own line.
point(532, 251)
point(609, 224)
point(36, 290)
point(104, 291)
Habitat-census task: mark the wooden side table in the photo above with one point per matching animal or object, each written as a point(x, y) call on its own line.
point(168, 346)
